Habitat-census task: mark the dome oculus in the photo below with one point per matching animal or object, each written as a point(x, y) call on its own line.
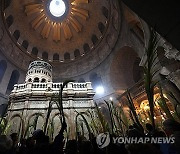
point(57, 8)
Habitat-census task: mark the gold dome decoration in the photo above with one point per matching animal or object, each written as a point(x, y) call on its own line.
point(46, 24)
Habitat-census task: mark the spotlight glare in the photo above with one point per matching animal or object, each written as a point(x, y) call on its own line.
point(100, 90)
point(110, 98)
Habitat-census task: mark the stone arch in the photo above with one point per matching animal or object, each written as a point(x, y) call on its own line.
point(39, 114)
point(57, 114)
point(121, 70)
point(3, 67)
point(57, 124)
point(16, 126)
point(13, 80)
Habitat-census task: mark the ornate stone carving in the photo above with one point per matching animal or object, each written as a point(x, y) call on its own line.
point(171, 52)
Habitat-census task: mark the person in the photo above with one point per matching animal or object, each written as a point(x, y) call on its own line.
point(42, 145)
point(134, 132)
point(71, 147)
point(30, 143)
point(14, 137)
point(22, 146)
point(172, 129)
point(149, 128)
point(5, 144)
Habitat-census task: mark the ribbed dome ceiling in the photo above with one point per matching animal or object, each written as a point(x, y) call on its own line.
point(86, 29)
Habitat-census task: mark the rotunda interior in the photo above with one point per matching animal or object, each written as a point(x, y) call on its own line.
point(104, 42)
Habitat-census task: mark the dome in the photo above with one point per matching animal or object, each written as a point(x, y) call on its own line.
point(71, 36)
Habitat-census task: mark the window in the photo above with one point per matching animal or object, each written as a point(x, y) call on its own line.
point(94, 39)
point(9, 20)
point(34, 51)
point(45, 56)
point(55, 57)
point(101, 27)
point(16, 34)
point(29, 80)
point(86, 48)
point(25, 44)
point(36, 79)
point(66, 56)
point(43, 80)
point(105, 11)
point(76, 53)
point(3, 66)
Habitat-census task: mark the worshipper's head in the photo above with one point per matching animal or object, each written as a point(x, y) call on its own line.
point(5, 143)
point(171, 126)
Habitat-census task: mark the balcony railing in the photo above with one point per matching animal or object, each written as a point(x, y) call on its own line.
point(54, 87)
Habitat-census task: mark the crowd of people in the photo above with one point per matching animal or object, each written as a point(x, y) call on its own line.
point(39, 143)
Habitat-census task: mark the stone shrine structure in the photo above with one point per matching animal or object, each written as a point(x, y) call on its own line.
point(29, 101)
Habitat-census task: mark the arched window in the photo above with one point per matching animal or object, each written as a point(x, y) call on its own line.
point(16, 34)
point(13, 80)
point(25, 44)
point(36, 79)
point(45, 56)
point(55, 57)
point(29, 80)
point(3, 66)
point(86, 48)
point(66, 56)
point(34, 51)
point(43, 80)
point(94, 39)
point(101, 27)
point(9, 20)
point(76, 53)
point(105, 11)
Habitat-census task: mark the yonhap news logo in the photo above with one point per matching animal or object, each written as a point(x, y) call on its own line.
point(103, 140)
